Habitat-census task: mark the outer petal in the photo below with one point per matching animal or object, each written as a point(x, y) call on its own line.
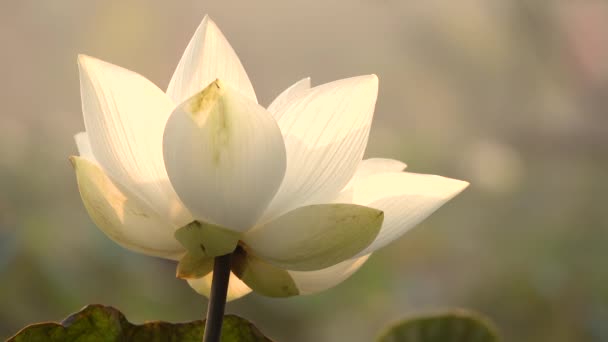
point(208, 57)
point(122, 216)
point(325, 131)
point(125, 115)
point(236, 288)
point(289, 94)
point(405, 198)
point(314, 237)
point(321, 280)
point(225, 157)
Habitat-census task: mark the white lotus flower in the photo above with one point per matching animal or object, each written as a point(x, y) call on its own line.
point(203, 170)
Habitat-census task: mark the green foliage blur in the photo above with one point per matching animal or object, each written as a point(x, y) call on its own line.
point(509, 95)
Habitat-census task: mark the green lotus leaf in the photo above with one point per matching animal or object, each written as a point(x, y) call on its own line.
point(98, 323)
point(453, 326)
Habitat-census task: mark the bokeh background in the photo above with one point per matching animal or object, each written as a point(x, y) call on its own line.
point(510, 95)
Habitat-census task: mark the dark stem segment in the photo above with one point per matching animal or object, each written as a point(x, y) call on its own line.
point(217, 299)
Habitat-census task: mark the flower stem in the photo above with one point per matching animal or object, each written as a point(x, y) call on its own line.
point(217, 299)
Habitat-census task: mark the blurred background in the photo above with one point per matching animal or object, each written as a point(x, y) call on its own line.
point(509, 95)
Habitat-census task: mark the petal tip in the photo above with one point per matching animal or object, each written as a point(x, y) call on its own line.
point(374, 81)
point(85, 61)
point(463, 184)
point(205, 24)
point(88, 64)
point(206, 21)
point(455, 186)
point(207, 56)
point(81, 56)
point(206, 98)
point(367, 83)
point(371, 79)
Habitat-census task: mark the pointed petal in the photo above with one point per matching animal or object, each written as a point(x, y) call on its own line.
point(315, 237)
point(84, 146)
point(289, 94)
point(405, 198)
point(316, 281)
point(122, 216)
point(125, 115)
point(208, 57)
point(262, 277)
point(325, 131)
point(225, 157)
point(236, 288)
